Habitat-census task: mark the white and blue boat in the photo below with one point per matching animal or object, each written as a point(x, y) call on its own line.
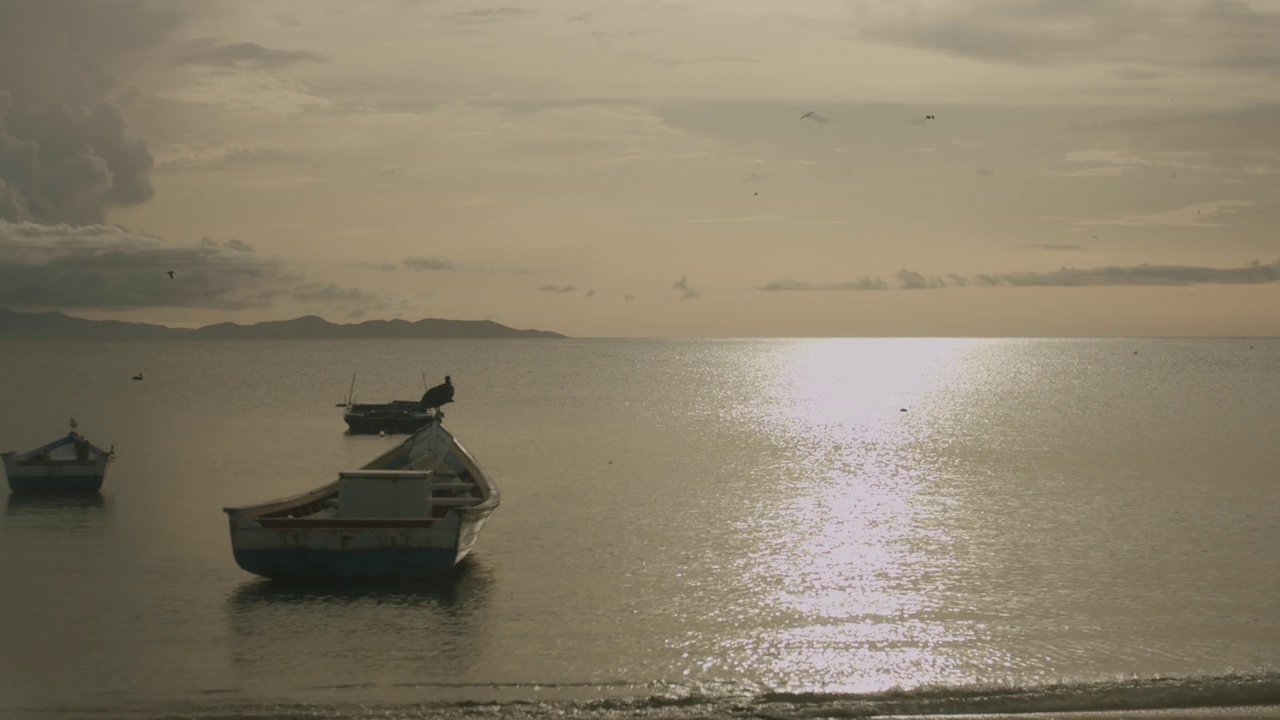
point(414, 511)
point(69, 464)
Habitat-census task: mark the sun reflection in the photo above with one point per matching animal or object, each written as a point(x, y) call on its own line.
point(849, 573)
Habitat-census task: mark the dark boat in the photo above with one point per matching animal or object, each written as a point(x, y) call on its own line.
point(398, 417)
point(70, 464)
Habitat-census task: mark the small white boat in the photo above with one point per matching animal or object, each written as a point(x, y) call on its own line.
point(414, 511)
point(69, 464)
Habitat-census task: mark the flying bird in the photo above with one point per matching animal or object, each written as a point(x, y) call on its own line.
point(441, 394)
point(929, 117)
point(808, 114)
point(138, 376)
point(170, 274)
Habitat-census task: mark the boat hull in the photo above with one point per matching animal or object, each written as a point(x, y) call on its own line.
point(63, 478)
point(414, 511)
point(357, 549)
point(398, 417)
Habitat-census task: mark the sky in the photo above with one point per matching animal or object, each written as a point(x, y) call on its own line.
point(718, 168)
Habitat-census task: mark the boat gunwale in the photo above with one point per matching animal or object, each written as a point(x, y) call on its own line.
point(484, 484)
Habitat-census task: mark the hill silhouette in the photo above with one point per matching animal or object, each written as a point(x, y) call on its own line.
point(56, 326)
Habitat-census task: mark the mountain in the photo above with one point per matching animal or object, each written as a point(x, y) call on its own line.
point(56, 326)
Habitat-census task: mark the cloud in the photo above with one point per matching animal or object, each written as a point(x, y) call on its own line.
point(749, 218)
point(430, 264)
point(241, 55)
point(686, 292)
point(1229, 140)
point(863, 283)
point(232, 156)
point(1049, 246)
point(1199, 215)
point(1222, 34)
point(558, 288)
point(676, 62)
point(62, 164)
point(76, 52)
point(487, 15)
point(911, 280)
point(380, 267)
point(67, 153)
point(1255, 273)
point(110, 267)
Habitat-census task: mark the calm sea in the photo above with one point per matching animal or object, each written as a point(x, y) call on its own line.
point(688, 529)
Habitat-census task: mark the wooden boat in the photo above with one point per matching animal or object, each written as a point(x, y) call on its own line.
point(69, 464)
point(398, 417)
point(414, 511)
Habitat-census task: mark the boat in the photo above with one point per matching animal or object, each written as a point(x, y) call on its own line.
point(69, 464)
point(398, 417)
point(413, 511)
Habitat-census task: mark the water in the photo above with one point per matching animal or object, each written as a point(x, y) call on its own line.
point(779, 528)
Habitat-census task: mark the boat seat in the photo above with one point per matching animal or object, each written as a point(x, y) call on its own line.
point(453, 486)
point(456, 501)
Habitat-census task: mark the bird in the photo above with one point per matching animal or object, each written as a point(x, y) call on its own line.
point(1095, 237)
point(138, 376)
point(441, 394)
point(170, 274)
point(929, 117)
point(808, 114)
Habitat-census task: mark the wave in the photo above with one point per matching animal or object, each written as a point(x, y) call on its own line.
point(675, 702)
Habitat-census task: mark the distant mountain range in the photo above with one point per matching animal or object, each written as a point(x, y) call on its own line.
point(56, 326)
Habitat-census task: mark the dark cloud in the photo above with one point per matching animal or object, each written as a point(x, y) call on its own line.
point(380, 267)
point(686, 292)
point(430, 264)
point(864, 283)
point(69, 164)
point(109, 267)
point(76, 52)
point(911, 280)
point(67, 153)
point(558, 288)
point(242, 55)
point(487, 15)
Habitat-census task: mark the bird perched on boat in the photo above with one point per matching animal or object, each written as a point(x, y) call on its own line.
point(441, 394)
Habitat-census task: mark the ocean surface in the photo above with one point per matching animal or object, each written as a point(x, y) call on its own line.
point(688, 529)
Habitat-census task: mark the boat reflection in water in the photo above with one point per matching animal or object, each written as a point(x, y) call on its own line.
point(291, 635)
